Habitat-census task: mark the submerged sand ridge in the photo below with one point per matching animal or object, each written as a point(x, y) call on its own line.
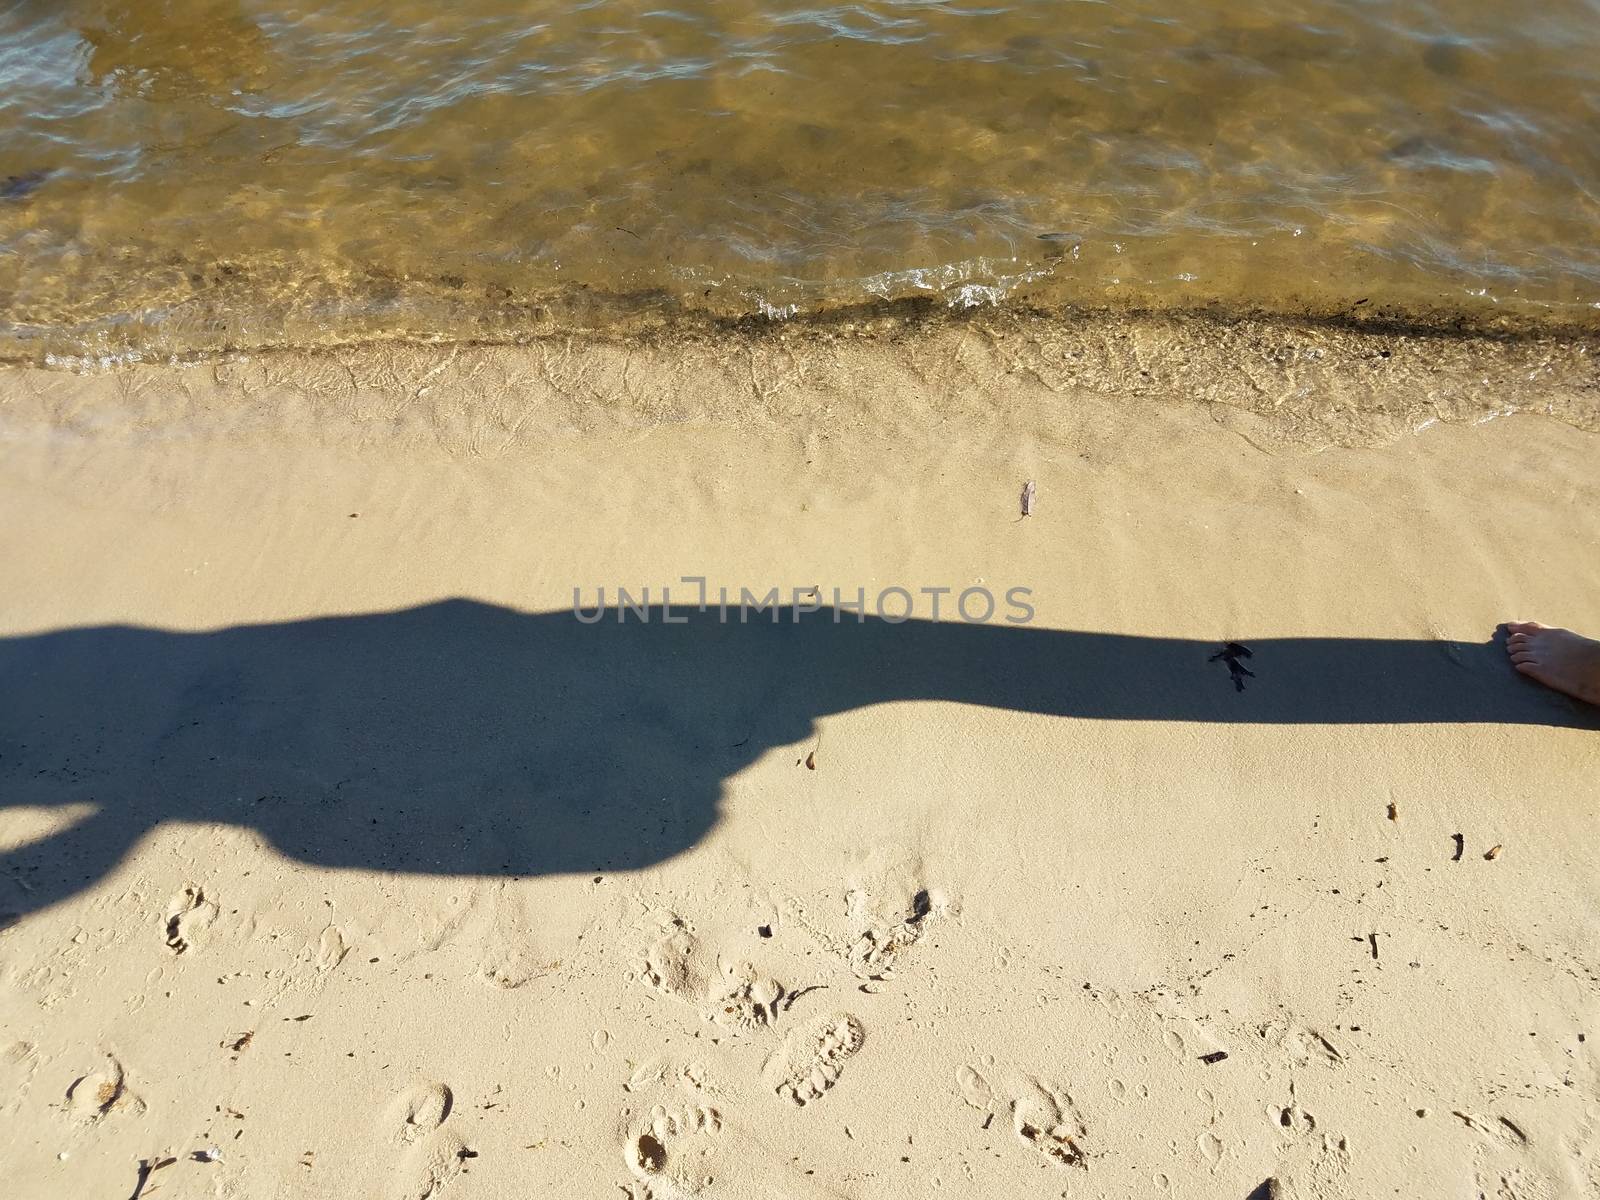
point(337, 846)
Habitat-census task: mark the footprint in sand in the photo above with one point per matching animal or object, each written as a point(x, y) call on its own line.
point(674, 964)
point(508, 966)
point(102, 1092)
point(873, 955)
point(189, 915)
point(1043, 1118)
point(675, 1149)
point(18, 1062)
point(418, 1110)
point(1318, 1166)
point(511, 949)
point(974, 1088)
point(733, 994)
point(1046, 1120)
point(811, 1059)
point(331, 948)
point(1501, 1163)
point(1294, 1121)
point(1301, 1045)
point(746, 998)
point(434, 1155)
point(1184, 1033)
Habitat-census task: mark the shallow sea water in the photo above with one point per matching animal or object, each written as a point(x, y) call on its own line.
point(181, 176)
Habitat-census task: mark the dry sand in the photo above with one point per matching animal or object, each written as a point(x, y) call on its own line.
point(332, 842)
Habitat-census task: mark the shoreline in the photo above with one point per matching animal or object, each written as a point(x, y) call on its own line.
point(1287, 386)
point(648, 319)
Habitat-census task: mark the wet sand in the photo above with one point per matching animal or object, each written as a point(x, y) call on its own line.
point(332, 841)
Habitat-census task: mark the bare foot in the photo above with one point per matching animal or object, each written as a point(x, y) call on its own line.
point(1557, 658)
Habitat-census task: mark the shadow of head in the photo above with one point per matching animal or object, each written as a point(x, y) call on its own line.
point(463, 738)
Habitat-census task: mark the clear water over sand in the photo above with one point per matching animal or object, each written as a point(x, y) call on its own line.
point(183, 175)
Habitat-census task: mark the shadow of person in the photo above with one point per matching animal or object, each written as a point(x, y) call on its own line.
point(464, 738)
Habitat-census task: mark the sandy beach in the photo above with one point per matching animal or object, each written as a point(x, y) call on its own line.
point(340, 859)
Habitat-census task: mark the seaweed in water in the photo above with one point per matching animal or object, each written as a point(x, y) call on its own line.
point(1231, 653)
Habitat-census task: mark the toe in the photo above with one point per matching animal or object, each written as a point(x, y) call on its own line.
point(1523, 654)
point(1524, 626)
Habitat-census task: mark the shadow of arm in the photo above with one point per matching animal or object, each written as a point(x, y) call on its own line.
point(1328, 681)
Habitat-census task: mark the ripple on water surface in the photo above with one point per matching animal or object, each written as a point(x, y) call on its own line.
point(182, 175)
